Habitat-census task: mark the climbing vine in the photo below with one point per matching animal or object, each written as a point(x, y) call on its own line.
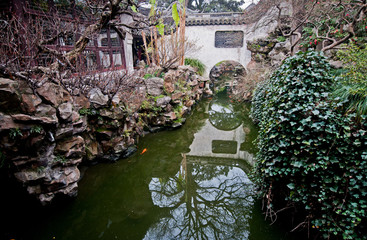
point(311, 156)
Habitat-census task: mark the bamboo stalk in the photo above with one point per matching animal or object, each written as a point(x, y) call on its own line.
point(182, 39)
point(156, 45)
point(152, 44)
point(145, 47)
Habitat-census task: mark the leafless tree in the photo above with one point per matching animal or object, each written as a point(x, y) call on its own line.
point(31, 46)
point(326, 23)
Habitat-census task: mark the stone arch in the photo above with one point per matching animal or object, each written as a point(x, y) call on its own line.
point(227, 73)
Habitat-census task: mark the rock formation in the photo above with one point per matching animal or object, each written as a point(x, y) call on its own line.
point(46, 133)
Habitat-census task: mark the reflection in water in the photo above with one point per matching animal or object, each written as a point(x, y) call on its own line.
point(203, 194)
point(210, 197)
point(223, 134)
point(223, 116)
point(205, 202)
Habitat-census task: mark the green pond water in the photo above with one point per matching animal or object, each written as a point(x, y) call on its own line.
point(190, 183)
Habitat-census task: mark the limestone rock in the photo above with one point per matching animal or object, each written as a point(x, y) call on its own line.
point(9, 95)
point(177, 96)
point(73, 147)
point(47, 111)
point(169, 79)
point(80, 126)
point(104, 133)
point(30, 103)
point(71, 190)
point(6, 122)
point(171, 115)
point(64, 176)
point(113, 113)
point(169, 86)
point(97, 97)
point(154, 86)
point(261, 46)
point(81, 102)
point(120, 147)
point(46, 198)
point(280, 52)
point(186, 68)
point(65, 110)
point(29, 175)
point(190, 103)
point(64, 131)
point(46, 154)
point(34, 189)
point(163, 102)
point(53, 94)
point(45, 114)
point(92, 150)
point(129, 151)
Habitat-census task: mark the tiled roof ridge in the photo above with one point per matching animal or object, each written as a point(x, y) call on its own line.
point(225, 18)
point(214, 21)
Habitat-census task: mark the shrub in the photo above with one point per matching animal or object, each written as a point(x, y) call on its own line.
point(352, 85)
point(257, 100)
point(310, 154)
point(195, 63)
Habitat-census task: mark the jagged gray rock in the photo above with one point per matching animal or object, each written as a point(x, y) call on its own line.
point(154, 86)
point(97, 97)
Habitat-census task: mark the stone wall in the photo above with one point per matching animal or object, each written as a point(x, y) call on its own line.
point(46, 133)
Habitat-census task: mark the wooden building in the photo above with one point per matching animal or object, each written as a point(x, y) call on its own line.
point(105, 51)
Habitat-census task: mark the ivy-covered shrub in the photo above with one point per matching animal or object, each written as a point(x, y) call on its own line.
point(258, 99)
point(310, 154)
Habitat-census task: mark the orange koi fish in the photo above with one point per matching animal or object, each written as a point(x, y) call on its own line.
point(144, 150)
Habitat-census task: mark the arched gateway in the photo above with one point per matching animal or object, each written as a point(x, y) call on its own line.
point(221, 36)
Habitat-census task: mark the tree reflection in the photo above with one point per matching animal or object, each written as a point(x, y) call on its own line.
point(202, 202)
point(222, 115)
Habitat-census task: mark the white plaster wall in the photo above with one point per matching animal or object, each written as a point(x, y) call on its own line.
point(202, 143)
point(204, 39)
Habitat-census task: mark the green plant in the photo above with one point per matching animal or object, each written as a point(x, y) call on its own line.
point(158, 97)
point(40, 169)
point(126, 133)
point(281, 39)
point(15, 132)
point(311, 155)
point(178, 110)
point(60, 159)
point(155, 74)
point(148, 75)
point(352, 85)
point(36, 129)
point(178, 120)
point(88, 111)
point(195, 63)
point(145, 105)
